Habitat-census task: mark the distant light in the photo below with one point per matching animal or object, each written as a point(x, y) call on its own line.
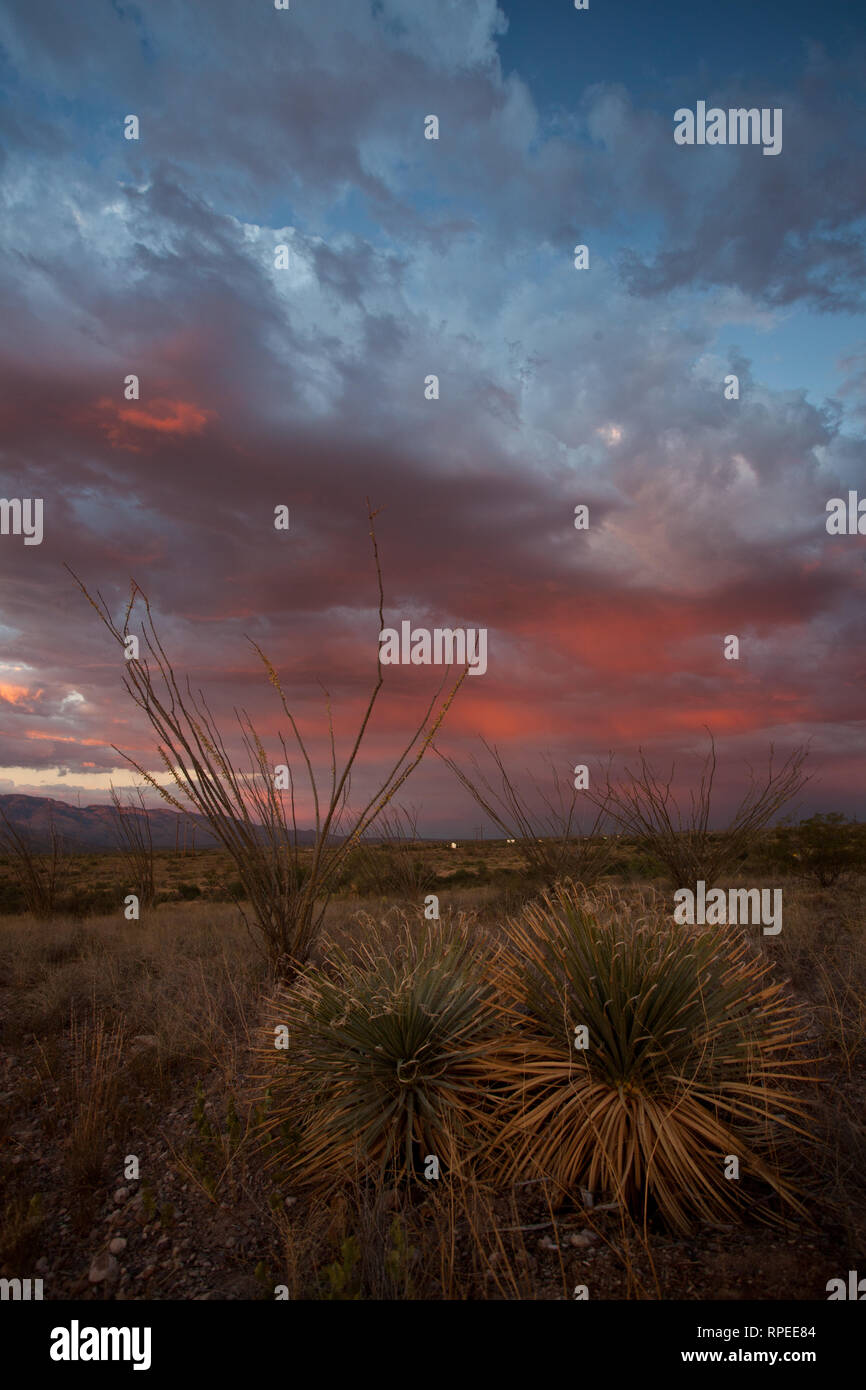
point(453, 844)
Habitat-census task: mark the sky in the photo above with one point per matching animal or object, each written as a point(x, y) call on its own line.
point(304, 386)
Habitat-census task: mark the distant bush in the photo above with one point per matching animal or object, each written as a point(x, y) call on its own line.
point(387, 870)
point(90, 902)
point(460, 877)
point(12, 899)
point(824, 848)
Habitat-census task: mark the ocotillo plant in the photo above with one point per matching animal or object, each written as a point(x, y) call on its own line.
point(40, 876)
point(645, 808)
point(132, 826)
point(549, 838)
point(246, 811)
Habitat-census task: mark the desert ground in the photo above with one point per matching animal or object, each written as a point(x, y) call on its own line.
point(150, 1039)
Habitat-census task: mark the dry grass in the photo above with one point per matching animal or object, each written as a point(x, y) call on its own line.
point(184, 975)
point(119, 1033)
point(91, 1082)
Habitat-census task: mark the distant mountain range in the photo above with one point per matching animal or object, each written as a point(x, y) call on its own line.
point(94, 827)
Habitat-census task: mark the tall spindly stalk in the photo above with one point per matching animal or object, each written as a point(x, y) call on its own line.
point(135, 840)
point(40, 876)
point(547, 833)
point(247, 811)
point(679, 836)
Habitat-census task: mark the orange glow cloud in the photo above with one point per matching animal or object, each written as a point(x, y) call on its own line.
point(496, 719)
point(13, 693)
point(719, 719)
point(617, 642)
point(164, 416)
point(64, 738)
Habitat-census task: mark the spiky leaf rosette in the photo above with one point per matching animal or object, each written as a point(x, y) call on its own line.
point(386, 1058)
point(692, 1050)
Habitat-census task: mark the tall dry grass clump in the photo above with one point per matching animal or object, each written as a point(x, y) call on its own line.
point(387, 1060)
point(691, 1057)
point(92, 1083)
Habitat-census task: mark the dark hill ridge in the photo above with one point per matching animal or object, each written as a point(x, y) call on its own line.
point(93, 827)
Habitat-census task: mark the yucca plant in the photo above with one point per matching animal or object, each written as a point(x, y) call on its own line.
point(386, 1062)
point(692, 1051)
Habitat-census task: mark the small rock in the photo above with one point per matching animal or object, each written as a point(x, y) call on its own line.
point(290, 1201)
point(121, 1195)
point(547, 1244)
point(118, 1245)
point(41, 1265)
point(580, 1241)
point(103, 1267)
point(587, 1197)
